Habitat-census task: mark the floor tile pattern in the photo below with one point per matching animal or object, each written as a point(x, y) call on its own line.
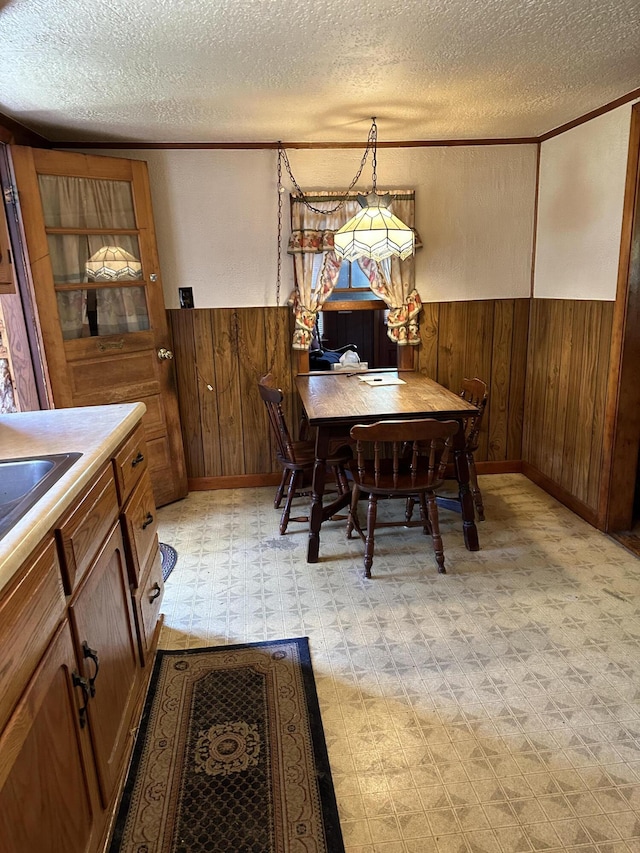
point(494, 709)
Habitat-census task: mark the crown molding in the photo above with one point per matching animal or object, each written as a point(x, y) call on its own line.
point(13, 131)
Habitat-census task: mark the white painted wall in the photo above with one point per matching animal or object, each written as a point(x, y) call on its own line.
point(581, 195)
point(216, 219)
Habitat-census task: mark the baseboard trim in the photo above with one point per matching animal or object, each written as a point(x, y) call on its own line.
point(506, 466)
point(238, 481)
point(560, 494)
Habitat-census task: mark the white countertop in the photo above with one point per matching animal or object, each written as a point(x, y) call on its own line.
point(94, 431)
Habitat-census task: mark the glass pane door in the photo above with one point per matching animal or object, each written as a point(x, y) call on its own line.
point(93, 240)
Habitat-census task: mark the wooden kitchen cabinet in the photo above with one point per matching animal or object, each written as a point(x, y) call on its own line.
point(140, 524)
point(101, 615)
point(48, 788)
point(77, 625)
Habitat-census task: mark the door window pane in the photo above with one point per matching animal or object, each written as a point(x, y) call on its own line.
point(94, 257)
point(102, 311)
point(86, 202)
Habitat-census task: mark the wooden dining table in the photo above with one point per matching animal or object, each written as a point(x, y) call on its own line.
point(334, 402)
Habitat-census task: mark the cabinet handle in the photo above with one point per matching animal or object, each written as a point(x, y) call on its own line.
point(88, 652)
point(147, 521)
point(139, 458)
point(79, 681)
point(157, 589)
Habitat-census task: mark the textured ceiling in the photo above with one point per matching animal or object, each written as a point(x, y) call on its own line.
point(303, 71)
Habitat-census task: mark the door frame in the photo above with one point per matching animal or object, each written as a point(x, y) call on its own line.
point(35, 387)
point(621, 441)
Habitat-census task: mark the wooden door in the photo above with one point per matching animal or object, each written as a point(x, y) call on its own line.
point(107, 645)
point(92, 251)
point(48, 793)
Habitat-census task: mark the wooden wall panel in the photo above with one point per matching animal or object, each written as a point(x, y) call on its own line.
point(220, 354)
point(225, 354)
point(428, 349)
point(558, 350)
point(569, 345)
point(255, 424)
point(188, 398)
point(604, 337)
point(517, 378)
point(206, 385)
point(498, 404)
point(487, 339)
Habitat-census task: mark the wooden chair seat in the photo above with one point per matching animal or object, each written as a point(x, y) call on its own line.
point(399, 459)
point(297, 457)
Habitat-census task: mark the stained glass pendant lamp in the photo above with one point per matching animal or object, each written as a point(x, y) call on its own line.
point(111, 263)
point(374, 232)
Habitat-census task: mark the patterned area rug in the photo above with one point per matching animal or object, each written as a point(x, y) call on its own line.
point(230, 756)
point(169, 558)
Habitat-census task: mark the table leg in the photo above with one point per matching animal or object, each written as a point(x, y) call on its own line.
point(469, 529)
point(317, 493)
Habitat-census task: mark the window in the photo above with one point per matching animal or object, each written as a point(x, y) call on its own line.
point(352, 286)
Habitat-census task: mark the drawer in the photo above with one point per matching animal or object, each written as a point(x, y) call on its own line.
point(31, 609)
point(130, 462)
point(147, 600)
point(141, 527)
point(85, 527)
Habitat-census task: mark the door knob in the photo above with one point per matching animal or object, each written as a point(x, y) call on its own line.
point(165, 354)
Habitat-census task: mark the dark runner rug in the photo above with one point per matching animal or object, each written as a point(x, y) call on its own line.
point(230, 757)
point(169, 558)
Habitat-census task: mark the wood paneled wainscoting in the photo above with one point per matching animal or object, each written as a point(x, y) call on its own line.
point(568, 363)
point(487, 339)
point(220, 353)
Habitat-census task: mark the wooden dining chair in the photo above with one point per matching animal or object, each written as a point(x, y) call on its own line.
point(399, 459)
point(297, 457)
point(474, 391)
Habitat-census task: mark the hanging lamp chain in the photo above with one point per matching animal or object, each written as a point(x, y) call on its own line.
point(373, 135)
point(283, 158)
point(239, 344)
point(279, 248)
point(238, 341)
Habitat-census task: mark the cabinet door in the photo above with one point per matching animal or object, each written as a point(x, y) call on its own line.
point(141, 528)
point(48, 792)
point(106, 644)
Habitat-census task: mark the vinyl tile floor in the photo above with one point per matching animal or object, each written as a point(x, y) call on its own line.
point(494, 709)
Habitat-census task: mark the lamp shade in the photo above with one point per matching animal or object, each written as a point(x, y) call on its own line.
point(111, 263)
point(374, 232)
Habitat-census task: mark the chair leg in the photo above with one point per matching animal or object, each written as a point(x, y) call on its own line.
point(436, 538)
point(280, 491)
point(353, 520)
point(408, 509)
point(475, 488)
point(286, 512)
point(371, 524)
point(341, 479)
point(424, 515)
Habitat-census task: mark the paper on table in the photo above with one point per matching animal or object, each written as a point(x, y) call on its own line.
point(382, 380)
